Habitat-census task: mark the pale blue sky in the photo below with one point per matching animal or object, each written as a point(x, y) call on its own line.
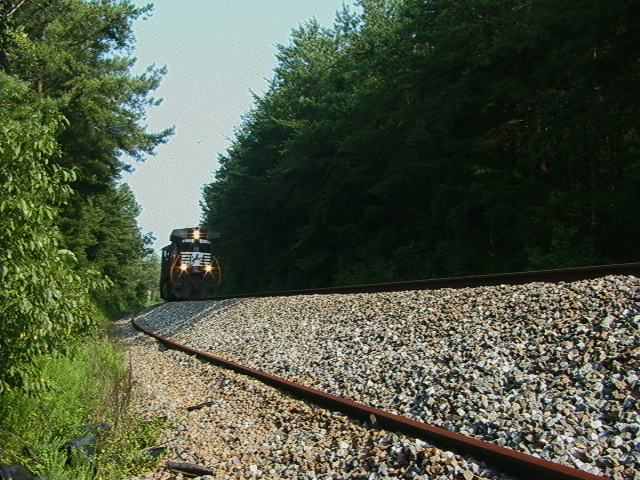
point(216, 52)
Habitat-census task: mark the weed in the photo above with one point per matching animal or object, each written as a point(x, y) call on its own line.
point(91, 384)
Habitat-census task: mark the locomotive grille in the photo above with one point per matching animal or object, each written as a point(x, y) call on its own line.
point(195, 259)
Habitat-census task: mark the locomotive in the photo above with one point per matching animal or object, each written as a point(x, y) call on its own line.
point(188, 269)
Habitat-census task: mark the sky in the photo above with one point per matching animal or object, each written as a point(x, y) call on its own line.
point(216, 52)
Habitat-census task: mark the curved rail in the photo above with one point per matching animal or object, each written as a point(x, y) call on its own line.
point(507, 460)
point(513, 278)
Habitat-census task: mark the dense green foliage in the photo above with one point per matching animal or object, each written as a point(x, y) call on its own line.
point(69, 110)
point(102, 230)
point(43, 299)
point(428, 138)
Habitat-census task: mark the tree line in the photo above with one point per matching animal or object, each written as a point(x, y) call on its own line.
point(70, 250)
point(429, 138)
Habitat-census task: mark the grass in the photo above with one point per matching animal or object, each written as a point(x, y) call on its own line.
point(89, 386)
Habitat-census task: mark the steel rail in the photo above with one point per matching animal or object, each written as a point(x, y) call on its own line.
point(512, 278)
point(507, 460)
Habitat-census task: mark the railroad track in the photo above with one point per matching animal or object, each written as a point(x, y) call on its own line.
point(507, 460)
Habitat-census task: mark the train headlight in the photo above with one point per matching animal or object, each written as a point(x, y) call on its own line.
point(196, 234)
point(207, 268)
point(184, 267)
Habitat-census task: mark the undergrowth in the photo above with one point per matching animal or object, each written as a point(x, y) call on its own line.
point(89, 386)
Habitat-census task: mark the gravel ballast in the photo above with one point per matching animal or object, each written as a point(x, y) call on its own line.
point(551, 370)
point(242, 428)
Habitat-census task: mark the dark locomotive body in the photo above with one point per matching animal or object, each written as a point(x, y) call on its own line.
point(189, 269)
